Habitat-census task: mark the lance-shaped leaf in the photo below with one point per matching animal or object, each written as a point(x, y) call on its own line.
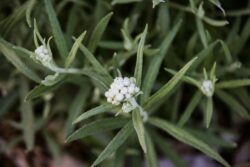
point(115, 143)
point(97, 127)
point(56, 29)
point(124, 1)
point(168, 86)
point(233, 84)
point(94, 111)
point(98, 32)
point(17, 62)
point(185, 137)
point(208, 111)
point(74, 49)
point(151, 155)
point(212, 139)
point(40, 90)
point(30, 6)
point(139, 58)
point(97, 65)
point(190, 108)
point(27, 117)
point(154, 66)
point(139, 128)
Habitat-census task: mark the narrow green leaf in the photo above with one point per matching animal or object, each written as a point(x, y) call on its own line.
point(139, 128)
point(95, 111)
point(186, 137)
point(17, 62)
point(151, 155)
point(190, 108)
point(244, 36)
point(163, 20)
point(216, 23)
point(56, 30)
point(186, 78)
point(168, 86)
point(98, 126)
point(97, 65)
point(231, 84)
point(124, 1)
point(73, 51)
point(30, 6)
point(212, 74)
point(39, 90)
point(113, 45)
point(115, 143)
point(27, 117)
point(212, 139)
point(192, 5)
point(128, 42)
point(139, 58)
point(205, 52)
point(8, 23)
point(154, 66)
point(209, 111)
point(232, 103)
point(202, 32)
point(119, 158)
point(53, 147)
point(98, 32)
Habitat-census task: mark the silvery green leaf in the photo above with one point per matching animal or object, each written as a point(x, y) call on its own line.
point(186, 137)
point(115, 143)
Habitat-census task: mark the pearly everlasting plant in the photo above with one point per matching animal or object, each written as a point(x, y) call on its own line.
point(121, 106)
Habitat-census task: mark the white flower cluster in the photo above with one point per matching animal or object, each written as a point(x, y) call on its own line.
point(42, 54)
point(207, 87)
point(121, 90)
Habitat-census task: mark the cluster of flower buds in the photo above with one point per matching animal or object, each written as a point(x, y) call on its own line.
point(42, 54)
point(122, 89)
point(207, 88)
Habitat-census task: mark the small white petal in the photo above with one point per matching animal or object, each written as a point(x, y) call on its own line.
point(131, 89)
point(119, 85)
point(124, 90)
point(126, 81)
point(115, 90)
point(118, 80)
point(119, 97)
point(112, 85)
point(111, 93)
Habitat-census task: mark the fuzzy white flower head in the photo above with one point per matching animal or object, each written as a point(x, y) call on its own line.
point(42, 54)
point(207, 88)
point(121, 90)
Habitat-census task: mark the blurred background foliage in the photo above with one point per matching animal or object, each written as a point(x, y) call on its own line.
point(42, 125)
